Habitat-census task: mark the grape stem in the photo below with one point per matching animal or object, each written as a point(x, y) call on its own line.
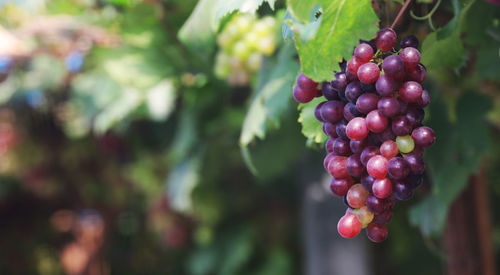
point(400, 13)
point(428, 16)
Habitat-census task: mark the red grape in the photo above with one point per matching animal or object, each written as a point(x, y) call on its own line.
point(377, 167)
point(376, 233)
point(349, 226)
point(357, 129)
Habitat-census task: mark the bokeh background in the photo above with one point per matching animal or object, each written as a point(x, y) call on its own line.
point(123, 150)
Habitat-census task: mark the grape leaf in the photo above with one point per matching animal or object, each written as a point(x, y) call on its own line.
point(272, 98)
point(488, 59)
point(456, 155)
point(225, 7)
point(181, 181)
point(343, 24)
point(448, 52)
point(311, 127)
point(198, 32)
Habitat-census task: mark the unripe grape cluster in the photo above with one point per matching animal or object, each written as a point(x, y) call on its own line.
point(373, 117)
point(243, 43)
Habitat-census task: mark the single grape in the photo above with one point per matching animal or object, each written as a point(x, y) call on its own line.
point(329, 145)
point(410, 57)
point(347, 112)
point(386, 135)
point(341, 129)
point(376, 205)
point(306, 83)
point(423, 136)
point(339, 187)
point(302, 96)
point(354, 166)
point(385, 40)
point(368, 73)
point(330, 130)
point(353, 91)
point(356, 196)
point(417, 74)
point(398, 168)
point(393, 65)
point(332, 111)
point(389, 149)
point(340, 81)
point(376, 122)
point(357, 129)
point(382, 188)
point(402, 191)
point(388, 106)
point(327, 160)
point(353, 65)
point(401, 126)
point(383, 217)
point(405, 144)
point(357, 146)
point(377, 167)
point(317, 113)
point(341, 147)
point(367, 102)
point(364, 215)
point(424, 100)
point(337, 167)
point(376, 233)
point(410, 91)
point(368, 153)
point(416, 163)
point(415, 181)
point(363, 52)
point(386, 86)
point(328, 91)
point(349, 226)
point(354, 110)
point(414, 115)
point(409, 41)
point(367, 181)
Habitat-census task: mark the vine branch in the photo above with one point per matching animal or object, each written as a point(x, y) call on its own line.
point(400, 13)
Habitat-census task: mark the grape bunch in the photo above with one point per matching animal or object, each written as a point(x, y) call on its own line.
point(243, 42)
point(373, 117)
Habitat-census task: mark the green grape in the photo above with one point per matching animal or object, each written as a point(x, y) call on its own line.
point(267, 45)
point(405, 144)
point(244, 23)
point(364, 215)
point(261, 28)
point(241, 50)
point(235, 63)
point(224, 40)
point(252, 40)
point(254, 62)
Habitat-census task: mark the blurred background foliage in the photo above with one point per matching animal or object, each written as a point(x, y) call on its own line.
point(121, 152)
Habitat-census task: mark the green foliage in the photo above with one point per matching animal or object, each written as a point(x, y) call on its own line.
point(311, 127)
point(225, 7)
point(343, 24)
point(457, 153)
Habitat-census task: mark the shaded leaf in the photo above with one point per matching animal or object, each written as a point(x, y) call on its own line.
point(311, 127)
point(181, 182)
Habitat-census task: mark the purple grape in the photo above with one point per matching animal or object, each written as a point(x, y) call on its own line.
point(358, 146)
point(414, 115)
point(363, 52)
point(386, 86)
point(392, 65)
point(351, 77)
point(423, 136)
point(328, 91)
point(306, 83)
point(401, 126)
point(329, 145)
point(398, 168)
point(409, 41)
point(368, 153)
point(317, 112)
point(388, 106)
point(410, 91)
point(374, 139)
point(410, 57)
point(367, 181)
point(401, 190)
point(332, 111)
point(330, 130)
point(340, 82)
point(424, 100)
point(366, 103)
point(385, 40)
point(416, 163)
point(348, 115)
point(341, 95)
point(415, 180)
point(418, 74)
point(354, 166)
point(353, 91)
point(368, 88)
point(340, 129)
point(376, 205)
point(383, 218)
point(387, 134)
point(354, 110)
point(368, 73)
point(341, 147)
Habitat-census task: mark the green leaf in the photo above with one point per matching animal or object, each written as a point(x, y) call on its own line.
point(448, 52)
point(270, 100)
point(488, 61)
point(452, 24)
point(456, 155)
point(198, 32)
point(118, 110)
point(181, 181)
point(343, 24)
point(225, 7)
point(311, 127)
